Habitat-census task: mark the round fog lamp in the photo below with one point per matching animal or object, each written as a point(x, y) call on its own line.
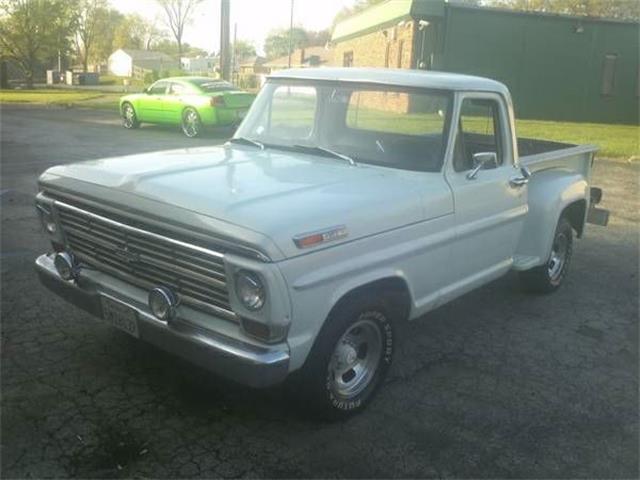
point(65, 266)
point(162, 303)
point(250, 290)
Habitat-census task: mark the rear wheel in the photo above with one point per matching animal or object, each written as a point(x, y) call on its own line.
point(129, 117)
point(191, 124)
point(548, 277)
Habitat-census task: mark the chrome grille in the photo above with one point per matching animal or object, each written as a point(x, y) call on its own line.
point(147, 259)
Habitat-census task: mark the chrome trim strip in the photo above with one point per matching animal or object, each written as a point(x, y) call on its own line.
point(139, 231)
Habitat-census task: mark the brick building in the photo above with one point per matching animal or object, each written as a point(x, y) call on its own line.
point(558, 67)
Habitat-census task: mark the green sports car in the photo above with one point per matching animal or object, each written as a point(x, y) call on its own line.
point(191, 102)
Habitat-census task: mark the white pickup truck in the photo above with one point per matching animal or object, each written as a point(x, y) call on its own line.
point(348, 200)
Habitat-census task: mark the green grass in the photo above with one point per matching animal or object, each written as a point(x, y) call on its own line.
point(615, 141)
point(71, 98)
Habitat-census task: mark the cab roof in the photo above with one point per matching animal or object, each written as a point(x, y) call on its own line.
point(396, 77)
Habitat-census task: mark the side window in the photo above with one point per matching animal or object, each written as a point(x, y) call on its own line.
point(158, 88)
point(177, 89)
point(478, 131)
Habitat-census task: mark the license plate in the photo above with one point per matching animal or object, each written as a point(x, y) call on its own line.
point(120, 316)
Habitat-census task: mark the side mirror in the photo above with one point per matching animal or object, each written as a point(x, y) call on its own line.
point(483, 161)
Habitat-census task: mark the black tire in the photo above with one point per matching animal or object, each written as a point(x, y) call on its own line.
point(129, 117)
point(547, 278)
point(316, 383)
point(191, 123)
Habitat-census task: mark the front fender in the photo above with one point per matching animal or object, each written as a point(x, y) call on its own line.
point(550, 193)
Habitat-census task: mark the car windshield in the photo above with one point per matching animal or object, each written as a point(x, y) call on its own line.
point(211, 85)
point(382, 125)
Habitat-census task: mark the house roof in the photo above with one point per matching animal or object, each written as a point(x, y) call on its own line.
point(391, 12)
point(145, 54)
point(396, 77)
point(324, 55)
point(385, 14)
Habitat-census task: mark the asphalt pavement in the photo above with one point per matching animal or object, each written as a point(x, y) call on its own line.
point(497, 384)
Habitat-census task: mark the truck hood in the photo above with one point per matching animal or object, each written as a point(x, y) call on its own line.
point(274, 193)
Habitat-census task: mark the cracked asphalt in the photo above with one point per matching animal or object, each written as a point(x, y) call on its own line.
point(495, 384)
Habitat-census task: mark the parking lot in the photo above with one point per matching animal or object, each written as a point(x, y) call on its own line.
point(495, 384)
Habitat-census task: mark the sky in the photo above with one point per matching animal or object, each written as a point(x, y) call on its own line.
point(255, 18)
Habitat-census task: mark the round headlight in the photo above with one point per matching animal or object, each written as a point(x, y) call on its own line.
point(65, 266)
point(250, 290)
point(162, 303)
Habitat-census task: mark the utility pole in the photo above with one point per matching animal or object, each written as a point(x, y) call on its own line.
point(234, 63)
point(290, 34)
point(225, 9)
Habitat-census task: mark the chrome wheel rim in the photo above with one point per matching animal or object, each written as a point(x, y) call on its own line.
point(558, 256)
point(355, 359)
point(128, 117)
point(191, 123)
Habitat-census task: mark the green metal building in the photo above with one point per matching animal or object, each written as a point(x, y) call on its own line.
point(557, 67)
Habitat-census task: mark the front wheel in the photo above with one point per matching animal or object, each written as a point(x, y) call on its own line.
point(129, 117)
point(191, 124)
point(548, 277)
point(350, 359)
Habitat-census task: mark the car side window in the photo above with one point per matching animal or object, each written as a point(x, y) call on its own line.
point(177, 89)
point(158, 88)
point(478, 131)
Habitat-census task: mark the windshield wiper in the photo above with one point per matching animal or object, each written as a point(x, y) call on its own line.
point(247, 141)
point(317, 149)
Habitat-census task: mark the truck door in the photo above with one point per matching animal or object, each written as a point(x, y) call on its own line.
point(489, 207)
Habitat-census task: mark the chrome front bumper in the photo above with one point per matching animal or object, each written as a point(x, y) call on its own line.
point(242, 362)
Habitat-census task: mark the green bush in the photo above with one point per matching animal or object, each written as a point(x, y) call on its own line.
point(172, 73)
point(151, 76)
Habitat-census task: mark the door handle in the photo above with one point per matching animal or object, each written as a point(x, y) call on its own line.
point(520, 180)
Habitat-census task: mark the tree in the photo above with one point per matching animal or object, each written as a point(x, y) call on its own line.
point(171, 48)
point(90, 14)
point(108, 23)
point(243, 49)
point(622, 9)
point(358, 6)
point(277, 42)
point(32, 31)
point(178, 15)
point(136, 32)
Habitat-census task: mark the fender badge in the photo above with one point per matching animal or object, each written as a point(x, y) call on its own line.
point(311, 239)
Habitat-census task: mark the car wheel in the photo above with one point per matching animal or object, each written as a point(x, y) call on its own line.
point(349, 360)
point(191, 124)
point(548, 277)
point(129, 117)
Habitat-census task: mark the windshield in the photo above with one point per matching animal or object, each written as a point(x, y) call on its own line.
point(381, 125)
